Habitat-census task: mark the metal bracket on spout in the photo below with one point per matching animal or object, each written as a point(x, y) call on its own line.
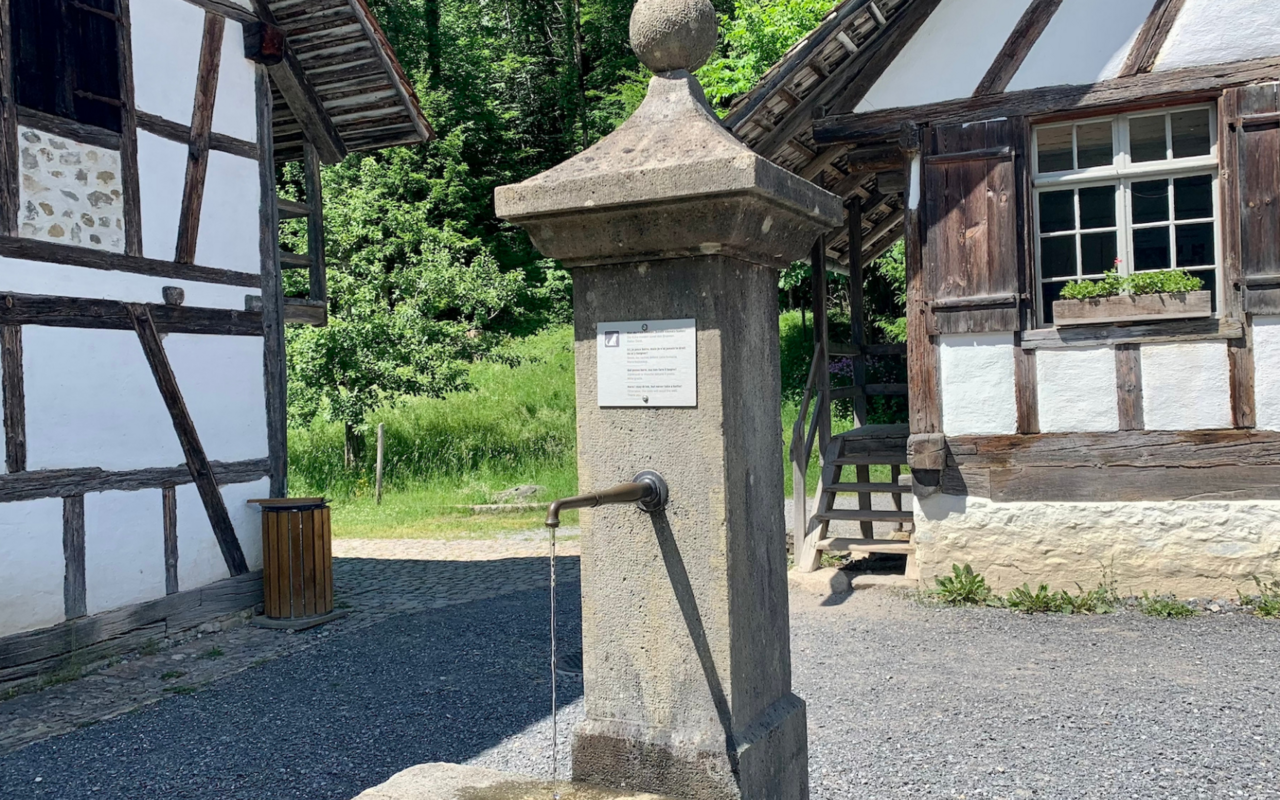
point(647, 490)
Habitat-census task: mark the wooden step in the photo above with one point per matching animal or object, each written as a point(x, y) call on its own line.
point(858, 515)
point(292, 209)
point(294, 260)
point(889, 488)
point(888, 457)
point(867, 546)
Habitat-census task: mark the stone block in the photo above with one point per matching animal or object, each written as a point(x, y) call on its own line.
point(458, 782)
point(825, 582)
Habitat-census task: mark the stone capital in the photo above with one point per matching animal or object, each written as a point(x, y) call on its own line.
point(671, 182)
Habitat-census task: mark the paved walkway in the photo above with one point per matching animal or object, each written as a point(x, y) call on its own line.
point(905, 701)
point(375, 579)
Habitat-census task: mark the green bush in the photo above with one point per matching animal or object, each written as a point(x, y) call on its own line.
point(1172, 281)
point(1041, 601)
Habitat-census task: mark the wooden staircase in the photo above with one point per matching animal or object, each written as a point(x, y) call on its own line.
point(884, 522)
point(860, 450)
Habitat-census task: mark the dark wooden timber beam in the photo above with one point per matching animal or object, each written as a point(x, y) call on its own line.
point(129, 178)
point(274, 375)
point(1146, 48)
point(289, 77)
point(10, 180)
point(15, 400)
point(1129, 386)
point(197, 462)
point(228, 9)
point(177, 132)
point(1148, 88)
point(80, 312)
point(39, 484)
point(73, 584)
point(201, 128)
point(53, 253)
point(170, 502)
point(1025, 34)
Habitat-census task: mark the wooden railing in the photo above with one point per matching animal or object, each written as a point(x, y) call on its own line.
point(812, 428)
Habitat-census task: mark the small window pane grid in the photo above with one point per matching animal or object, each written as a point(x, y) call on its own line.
point(1129, 193)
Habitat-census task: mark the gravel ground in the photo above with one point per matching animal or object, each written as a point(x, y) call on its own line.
point(904, 701)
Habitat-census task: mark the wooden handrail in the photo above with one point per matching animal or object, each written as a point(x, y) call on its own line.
point(816, 399)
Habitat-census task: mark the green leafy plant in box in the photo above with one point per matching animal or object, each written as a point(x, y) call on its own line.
point(1171, 281)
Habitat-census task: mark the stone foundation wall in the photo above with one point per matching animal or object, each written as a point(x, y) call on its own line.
point(71, 192)
point(1193, 549)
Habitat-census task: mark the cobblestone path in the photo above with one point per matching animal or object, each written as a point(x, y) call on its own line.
point(373, 578)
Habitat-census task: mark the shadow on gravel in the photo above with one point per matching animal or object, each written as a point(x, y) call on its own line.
point(325, 724)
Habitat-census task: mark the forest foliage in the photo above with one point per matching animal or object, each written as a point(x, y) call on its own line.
point(423, 279)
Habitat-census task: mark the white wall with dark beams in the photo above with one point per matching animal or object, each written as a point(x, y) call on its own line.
point(88, 397)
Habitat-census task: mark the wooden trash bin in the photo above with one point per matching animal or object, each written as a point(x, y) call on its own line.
point(297, 563)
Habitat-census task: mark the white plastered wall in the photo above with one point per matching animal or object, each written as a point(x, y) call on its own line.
point(166, 56)
point(31, 565)
point(1266, 361)
point(60, 280)
point(221, 379)
point(1085, 42)
point(162, 175)
point(1186, 386)
point(1077, 390)
point(200, 560)
point(1220, 31)
point(92, 402)
point(235, 107)
point(948, 56)
point(1193, 549)
point(230, 215)
point(123, 549)
point(978, 394)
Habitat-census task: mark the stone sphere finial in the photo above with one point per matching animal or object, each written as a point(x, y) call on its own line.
point(669, 35)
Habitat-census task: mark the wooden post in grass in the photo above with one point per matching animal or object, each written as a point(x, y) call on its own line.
point(378, 478)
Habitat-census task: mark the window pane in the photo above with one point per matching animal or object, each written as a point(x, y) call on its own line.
point(1150, 201)
point(1098, 207)
point(1054, 149)
point(1057, 211)
point(1210, 279)
point(1151, 248)
point(1193, 197)
point(1190, 133)
point(1058, 257)
point(1097, 253)
point(1195, 245)
point(1050, 292)
point(1093, 143)
point(1147, 140)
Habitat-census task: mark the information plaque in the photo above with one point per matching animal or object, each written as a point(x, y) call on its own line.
point(650, 363)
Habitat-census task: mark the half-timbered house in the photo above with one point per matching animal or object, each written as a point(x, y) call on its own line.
point(141, 303)
point(1017, 146)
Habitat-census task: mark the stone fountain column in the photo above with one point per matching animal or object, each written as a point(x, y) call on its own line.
point(673, 224)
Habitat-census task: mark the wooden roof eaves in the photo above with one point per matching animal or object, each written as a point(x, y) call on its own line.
point(795, 58)
point(403, 85)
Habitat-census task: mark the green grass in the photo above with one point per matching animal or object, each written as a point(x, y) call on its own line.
point(516, 426)
point(1164, 607)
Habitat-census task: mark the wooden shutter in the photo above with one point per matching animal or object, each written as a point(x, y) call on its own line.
point(969, 224)
point(1254, 122)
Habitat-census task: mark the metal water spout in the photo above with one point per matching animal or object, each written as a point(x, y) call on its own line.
point(649, 492)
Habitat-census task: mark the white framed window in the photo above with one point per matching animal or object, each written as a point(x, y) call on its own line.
point(1131, 193)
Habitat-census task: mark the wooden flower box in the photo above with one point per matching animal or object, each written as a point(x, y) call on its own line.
point(1132, 308)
